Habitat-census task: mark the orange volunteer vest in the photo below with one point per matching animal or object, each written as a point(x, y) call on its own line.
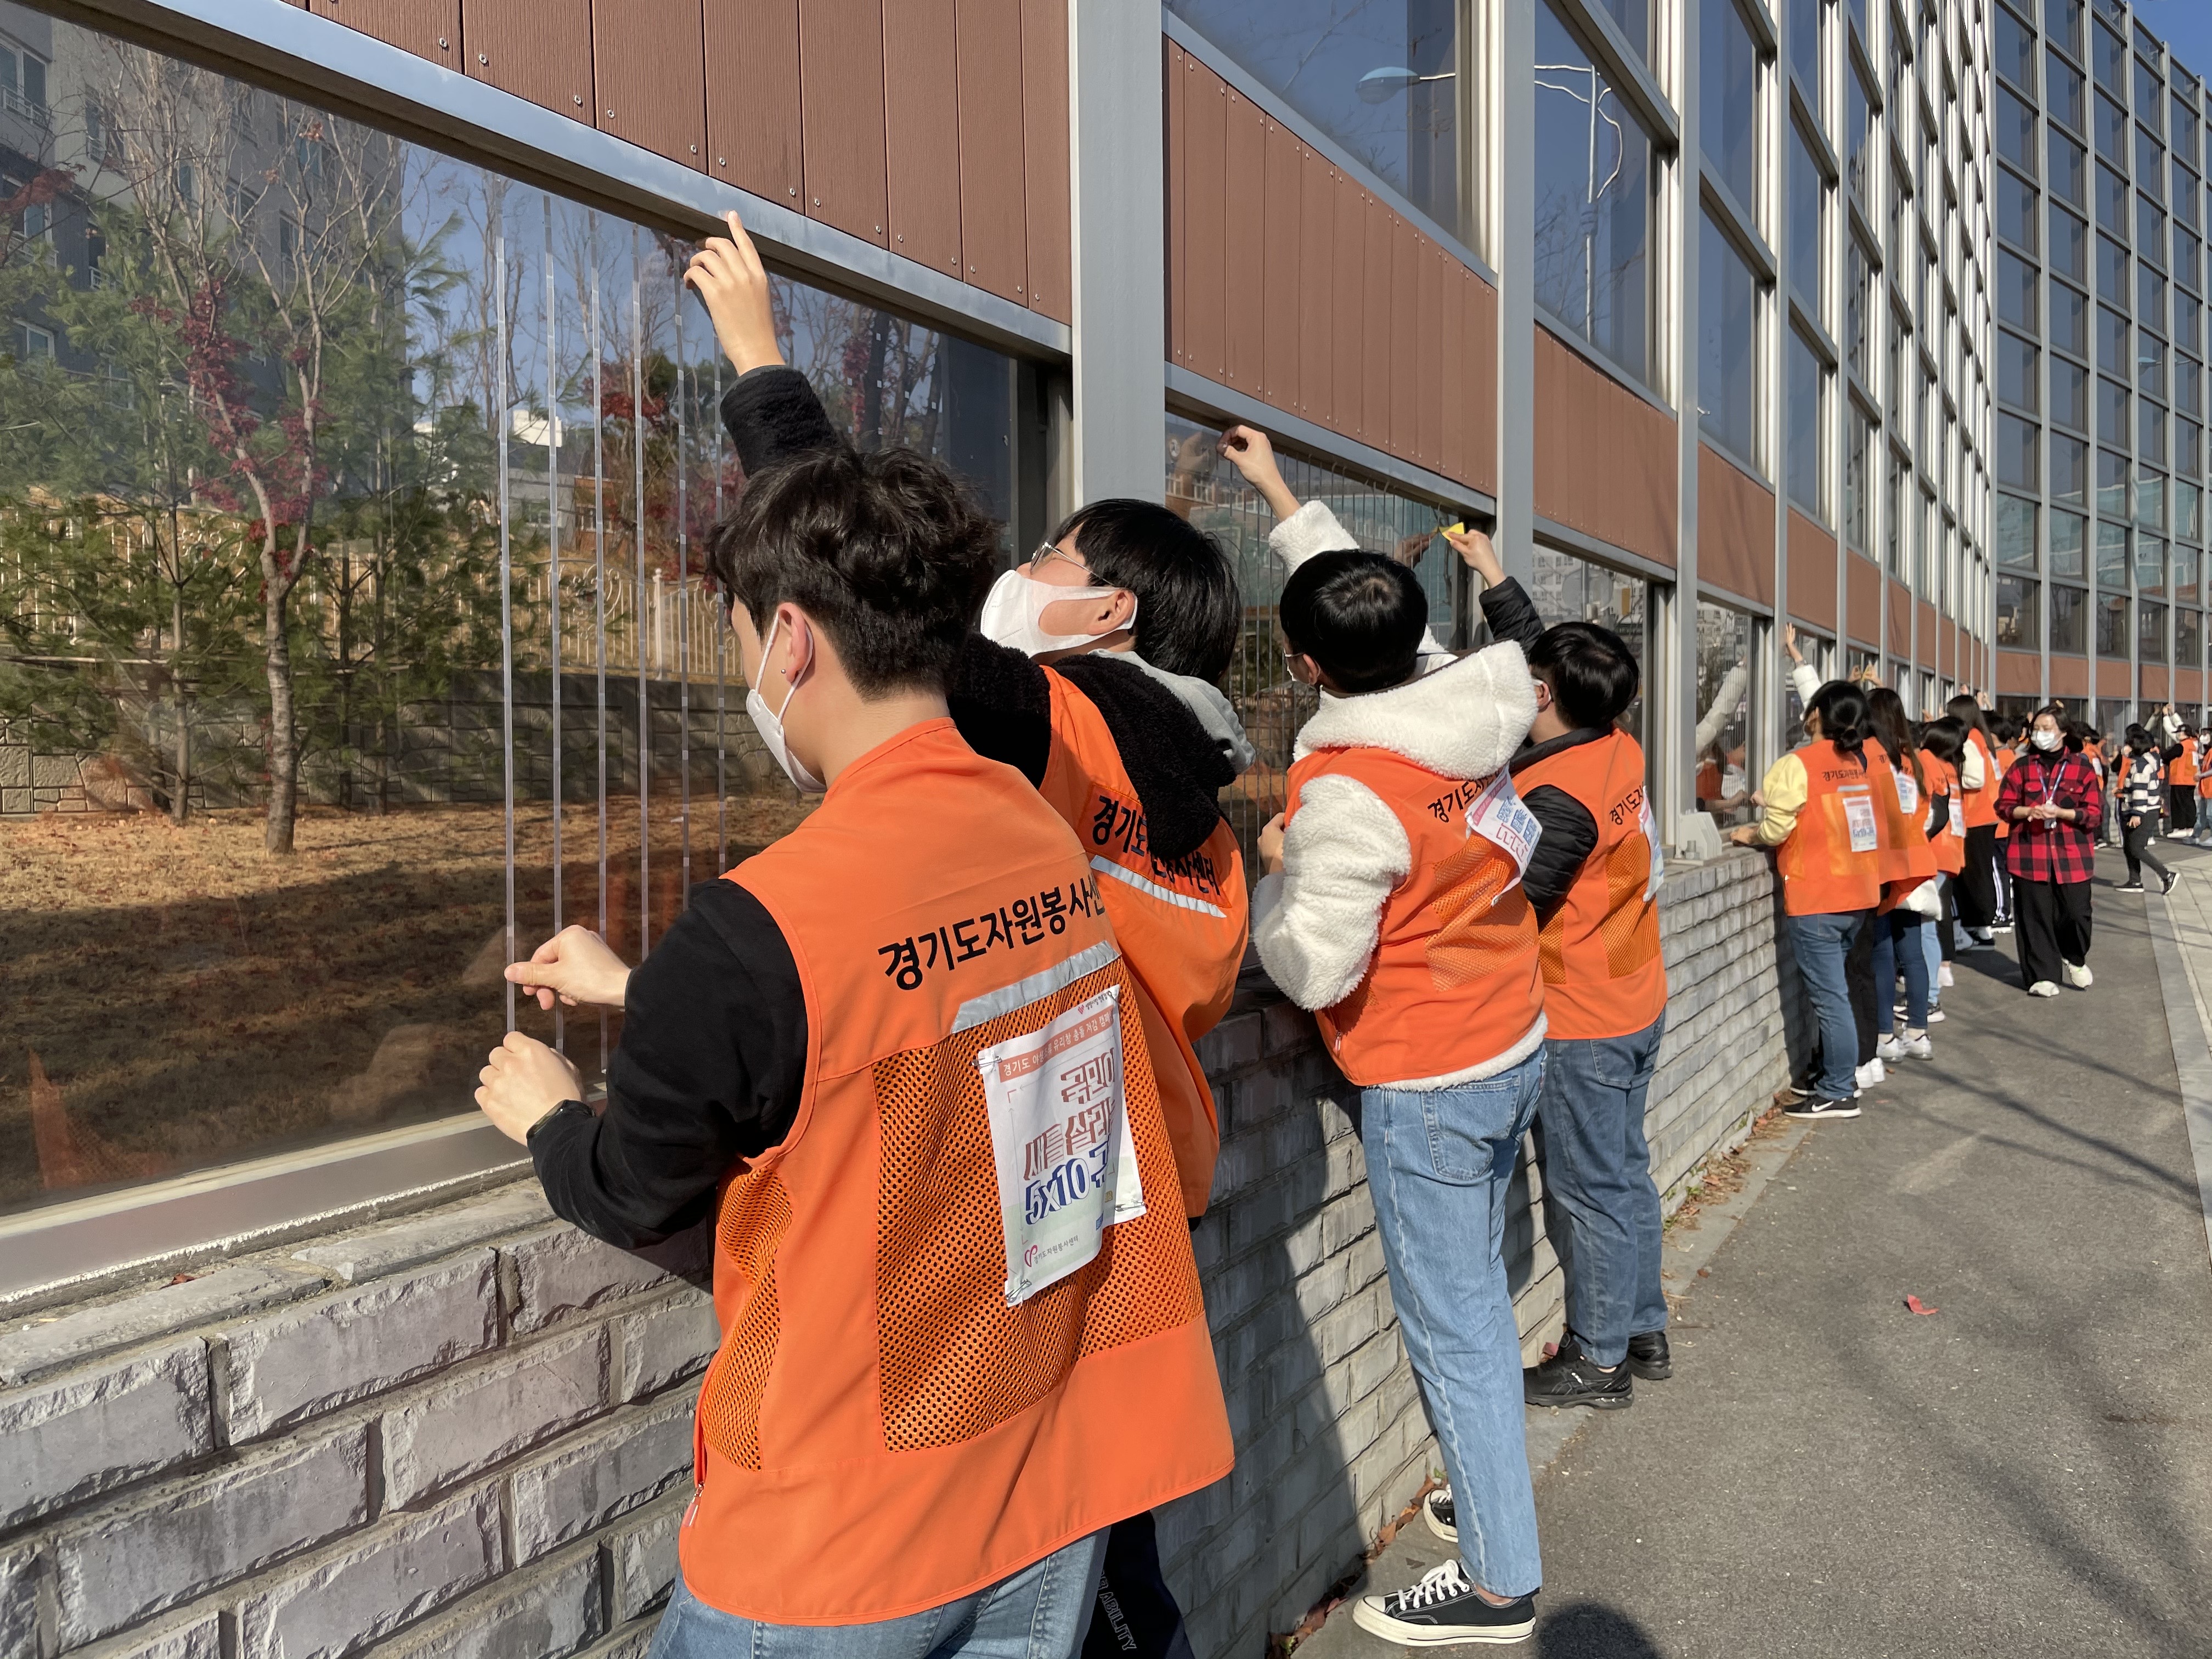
point(1832, 861)
point(2181, 770)
point(1907, 859)
point(1182, 926)
point(1982, 803)
point(1949, 840)
point(888, 1425)
point(1603, 975)
point(1454, 981)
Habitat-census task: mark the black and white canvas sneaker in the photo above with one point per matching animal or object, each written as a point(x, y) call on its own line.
point(1822, 1111)
point(1444, 1609)
point(1443, 1518)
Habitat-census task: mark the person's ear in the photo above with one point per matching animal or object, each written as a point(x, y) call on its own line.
point(797, 637)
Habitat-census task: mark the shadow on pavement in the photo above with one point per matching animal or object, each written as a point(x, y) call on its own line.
point(1590, 1630)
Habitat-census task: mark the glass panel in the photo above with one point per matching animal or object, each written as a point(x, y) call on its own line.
point(1725, 775)
point(1808, 379)
point(2187, 264)
point(1728, 99)
point(2015, 49)
point(2185, 434)
point(2017, 205)
point(2069, 320)
point(1567, 589)
point(2181, 130)
point(2111, 553)
point(2150, 632)
point(2150, 230)
point(2067, 530)
point(2185, 575)
point(2069, 609)
point(1634, 18)
point(1858, 306)
point(2188, 316)
point(2111, 272)
point(1855, 462)
point(1382, 80)
point(1728, 344)
point(2186, 499)
point(2188, 638)
point(2062, 21)
point(1807, 18)
point(2015, 533)
point(2015, 291)
point(2017, 380)
point(1594, 183)
point(2184, 195)
point(2112, 411)
point(2150, 105)
point(2016, 452)
point(1809, 203)
point(2069, 394)
point(2110, 60)
point(2150, 366)
point(2187, 382)
point(2150, 433)
point(2109, 123)
point(2150, 565)
point(2069, 175)
point(2111, 485)
point(375, 564)
point(2013, 123)
point(2150, 298)
point(2019, 612)
point(2070, 469)
point(2062, 90)
point(2150, 504)
point(2113, 352)
point(2112, 626)
point(1855, 118)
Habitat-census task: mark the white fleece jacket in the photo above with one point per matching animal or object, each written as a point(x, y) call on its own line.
point(1313, 529)
point(1316, 923)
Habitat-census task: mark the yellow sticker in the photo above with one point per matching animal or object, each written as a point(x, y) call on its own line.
point(1459, 529)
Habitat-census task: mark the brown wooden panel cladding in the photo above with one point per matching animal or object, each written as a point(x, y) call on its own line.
point(1480, 386)
point(2112, 678)
point(924, 145)
point(1245, 215)
point(1205, 221)
point(2189, 684)
point(1735, 525)
point(2069, 676)
point(2154, 682)
point(1604, 458)
point(1346, 321)
point(1927, 634)
point(649, 63)
point(1452, 369)
point(840, 94)
point(540, 50)
point(1899, 600)
point(753, 115)
point(428, 28)
point(1316, 289)
point(1428, 332)
point(1863, 600)
point(2019, 674)
point(1377, 411)
point(1174, 78)
point(1407, 248)
point(1946, 649)
point(1812, 573)
point(1281, 281)
point(993, 228)
point(1044, 157)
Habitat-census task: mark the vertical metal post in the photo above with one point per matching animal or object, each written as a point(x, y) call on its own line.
point(637, 519)
point(1513, 195)
point(1676, 720)
point(553, 577)
point(503, 397)
point(599, 582)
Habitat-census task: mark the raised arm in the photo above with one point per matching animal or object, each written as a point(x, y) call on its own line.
point(771, 411)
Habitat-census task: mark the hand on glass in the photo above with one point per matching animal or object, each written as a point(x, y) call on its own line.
point(1789, 642)
point(1478, 553)
point(1410, 548)
point(1271, 847)
point(1744, 835)
point(522, 1081)
point(575, 966)
point(732, 285)
point(1247, 450)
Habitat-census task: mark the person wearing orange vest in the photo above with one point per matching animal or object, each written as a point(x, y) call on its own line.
point(2005, 735)
point(1392, 906)
point(1940, 741)
point(1824, 807)
point(914, 1092)
point(2181, 761)
point(2203, 835)
point(1908, 867)
point(1978, 779)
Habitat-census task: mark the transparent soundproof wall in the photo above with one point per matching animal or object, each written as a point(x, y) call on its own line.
point(353, 631)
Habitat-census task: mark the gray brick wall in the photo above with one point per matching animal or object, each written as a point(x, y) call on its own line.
point(466, 1433)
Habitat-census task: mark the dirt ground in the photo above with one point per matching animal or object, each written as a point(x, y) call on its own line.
point(173, 997)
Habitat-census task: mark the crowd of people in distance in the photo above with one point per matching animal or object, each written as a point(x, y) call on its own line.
point(926, 1068)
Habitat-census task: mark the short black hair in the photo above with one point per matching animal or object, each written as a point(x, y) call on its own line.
point(1591, 670)
point(886, 550)
point(1188, 610)
point(1360, 616)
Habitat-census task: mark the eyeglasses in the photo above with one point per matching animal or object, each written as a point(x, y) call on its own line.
point(1052, 551)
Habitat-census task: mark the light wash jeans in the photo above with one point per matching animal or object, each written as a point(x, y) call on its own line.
point(1438, 1160)
point(1820, 943)
point(1039, 1613)
point(1597, 1180)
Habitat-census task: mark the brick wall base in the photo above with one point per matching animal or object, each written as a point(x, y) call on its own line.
point(467, 1431)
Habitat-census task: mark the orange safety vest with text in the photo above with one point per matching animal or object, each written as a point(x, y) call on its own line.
point(2181, 770)
point(1182, 924)
point(1907, 858)
point(1604, 975)
point(1832, 861)
point(887, 1426)
point(1949, 840)
point(1453, 982)
point(2005, 757)
point(1982, 803)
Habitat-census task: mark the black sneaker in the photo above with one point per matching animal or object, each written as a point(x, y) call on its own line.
point(2129, 887)
point(1443, 1518)
point(1442, 1610)
point(2170, 878)
point(1648, 1357)
point(1819, 1111)
point(1570, 1377)
point(1791, 1093)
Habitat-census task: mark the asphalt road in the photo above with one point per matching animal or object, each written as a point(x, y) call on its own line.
point(2026, 1471)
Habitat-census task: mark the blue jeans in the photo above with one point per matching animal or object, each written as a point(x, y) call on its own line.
point(1039, 1613)
point(1597, 1181)
point(1438, 1162)
point(1931, 951)
point(1897, 945)
point(1820, 943)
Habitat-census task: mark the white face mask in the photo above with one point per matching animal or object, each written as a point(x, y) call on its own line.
point(2048, 741)
point(1013, 611)
point(769, 723)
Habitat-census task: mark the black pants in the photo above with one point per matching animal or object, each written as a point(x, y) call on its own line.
point(2051, 922)
point(1947, 925)
point(2136, 845)
point(1975, 886)
point(2181, 807)
point(1136, 1612)
point(1870, 1015)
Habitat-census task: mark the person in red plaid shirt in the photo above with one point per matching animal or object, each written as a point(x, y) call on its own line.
point(2054, 802)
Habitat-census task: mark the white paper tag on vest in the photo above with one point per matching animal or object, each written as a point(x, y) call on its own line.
point(1858, 815)
point(1650, 827)
point(1908, 793)
point(1498, 816)
point(1060, 1136)
point(1958, 818)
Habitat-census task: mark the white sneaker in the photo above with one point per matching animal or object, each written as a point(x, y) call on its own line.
point(1936, 1016)
point(1966, 941)
point(1916, 1044)
point(1888, 1049)
point(2043, 987)
point(1871, 1072)
point(1943, 977)
point(2079, 978)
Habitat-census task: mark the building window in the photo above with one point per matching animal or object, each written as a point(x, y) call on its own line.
point(1565, 588)
point(1858, 306)
point(1857, 126)
point(1808, 213)
point(2068, 176)
point(2015, 292)
point(23, 82)
point(2150, 433)
point(2062, 90)
point(1728, 97)
point(2069, 608)
point(1806, 20)
point(2111, 485)
point(1595, 177)
point(2112, 411)
point(2015, 542)
point(2112, 626)
point(1808, 396)
point(2185, 575)
point(2150, 366)
point(1728, 342)
point(1857, 484)
point(2014, 120)
point(2067, 533)
point(1726, 771)
point(2150, 505)
point(1893, 537)
point(2069, 394)
point(2111, 272)
point(2113, 355)
point(2150, 297)
point(2110, 130)
point(525, 469)
point(2150, 230)
point(2017, 377)
point(2187, 499)
point(1634, 19)
point(2016, 211)
point(2150, 565)
point(2110, 59)
point(2069, 318)
point(2019, 612)
point(2188, 317)
point(2188, 639)
point(1382, 80)
point(2150, 632)
point(2014, 50)
point(2062, 22)
point(2111, 553)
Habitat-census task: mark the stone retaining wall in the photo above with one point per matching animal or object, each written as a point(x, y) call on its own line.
point(467, 1432)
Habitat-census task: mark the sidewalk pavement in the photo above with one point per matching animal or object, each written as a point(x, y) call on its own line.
point(2025, 1471)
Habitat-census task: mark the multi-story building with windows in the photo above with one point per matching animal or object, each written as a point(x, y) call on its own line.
point(2098, 513)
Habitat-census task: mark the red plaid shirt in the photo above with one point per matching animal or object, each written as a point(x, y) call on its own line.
point(2048, 850)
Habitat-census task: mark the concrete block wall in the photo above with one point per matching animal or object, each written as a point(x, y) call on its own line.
point(467, 1431)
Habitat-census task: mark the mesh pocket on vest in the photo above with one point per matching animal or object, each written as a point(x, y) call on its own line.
point(1629, 931)
point(1482, 927)
point(756, 1212)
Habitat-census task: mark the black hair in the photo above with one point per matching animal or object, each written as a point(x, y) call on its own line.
point(1968, 713)
point(2077, 735)
point(2137, 737)
point(1885, 716)
point(1944, 739)
point(1591, 670)
point(1189, 610)
point(1359, 616)
point(885, 550)
point(1842, 711)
